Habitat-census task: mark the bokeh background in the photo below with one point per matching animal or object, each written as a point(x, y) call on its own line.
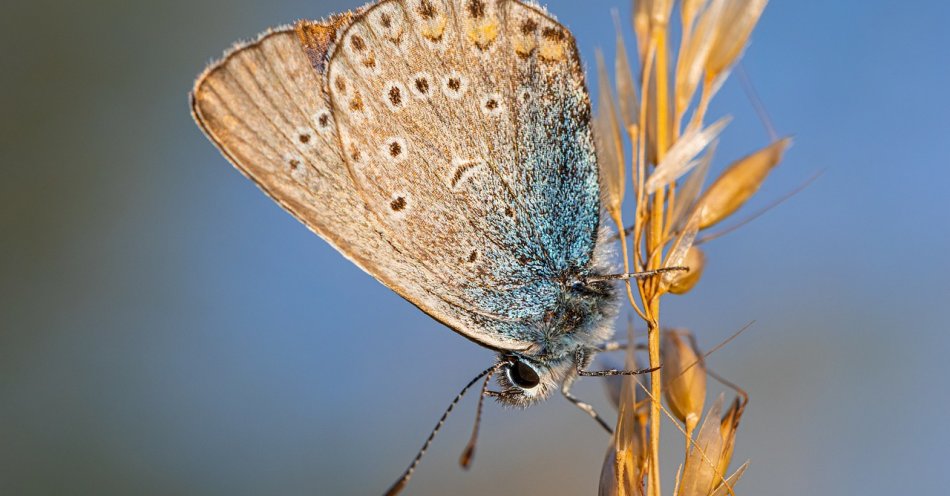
point(166, 329)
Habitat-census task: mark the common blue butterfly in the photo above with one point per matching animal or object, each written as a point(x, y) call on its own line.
point(445, 147)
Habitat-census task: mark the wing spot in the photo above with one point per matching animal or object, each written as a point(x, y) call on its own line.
point(398, 204)
point(395, 96)
point(386, 20)
point(463, 170)
point(340, 83)
point(432, 25)
point(294, 164)
point(357, 42)
point(394, 149)
point(426, 10)
point(304, 138)
point(528, 27)
point(553, 45)
point(553, 34)
point(422, 85)
point(473, 257)
point(525, 43)
point(434, 35)
point(475, 8)
point(324, 120)
point(491, 105)
point(509, 212)
point(454, 86)
point(356, 104)
point(483, 33)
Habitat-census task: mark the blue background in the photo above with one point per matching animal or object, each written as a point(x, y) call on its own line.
point(167, 329)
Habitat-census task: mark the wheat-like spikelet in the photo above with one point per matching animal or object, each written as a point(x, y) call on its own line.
point(659, 115)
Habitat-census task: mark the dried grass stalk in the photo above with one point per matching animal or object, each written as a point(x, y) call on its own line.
point(668, 169)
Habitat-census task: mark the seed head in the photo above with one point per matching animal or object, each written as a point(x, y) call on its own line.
point(683, 282)
point(728, 427)
point(686, 390)
point(739, 182)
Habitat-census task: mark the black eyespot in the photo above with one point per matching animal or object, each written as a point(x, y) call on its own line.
point(522, 375)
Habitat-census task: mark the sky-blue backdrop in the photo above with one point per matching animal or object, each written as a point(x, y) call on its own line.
point(166, 329)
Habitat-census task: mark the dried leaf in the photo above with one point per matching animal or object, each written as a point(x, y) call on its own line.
point(739, 182)
point(699, 472)
point(679, 159)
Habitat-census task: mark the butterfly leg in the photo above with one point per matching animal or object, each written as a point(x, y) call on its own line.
point(586, 407)
point(613, 346)
point(619, 345)
point(605, 373)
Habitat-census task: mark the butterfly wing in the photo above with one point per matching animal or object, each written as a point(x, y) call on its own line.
point(264, 107)
point(467, 190)
point(466, 127)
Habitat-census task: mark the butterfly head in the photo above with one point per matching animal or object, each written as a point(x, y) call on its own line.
point(526, 380)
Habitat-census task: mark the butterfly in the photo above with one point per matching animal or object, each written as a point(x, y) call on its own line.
point(444, 147)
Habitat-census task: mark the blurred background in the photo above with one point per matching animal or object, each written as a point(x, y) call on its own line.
point(167, 329)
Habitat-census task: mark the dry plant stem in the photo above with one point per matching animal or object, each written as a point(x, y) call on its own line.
point(648, 290)
point(653, 486)
point(703, 106)
point(668, 222)
point(626, 266)
point(640, 164)
point(653, 334)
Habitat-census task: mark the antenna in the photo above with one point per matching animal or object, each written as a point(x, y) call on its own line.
point(401, 483)
point(469, 453)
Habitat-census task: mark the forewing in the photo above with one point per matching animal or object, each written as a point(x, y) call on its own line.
point(465, 125)
point(264, 106)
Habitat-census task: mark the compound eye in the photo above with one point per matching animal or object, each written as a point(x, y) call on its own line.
point(522, 375)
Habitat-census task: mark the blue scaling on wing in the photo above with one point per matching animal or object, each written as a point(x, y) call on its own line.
point(565, 193)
